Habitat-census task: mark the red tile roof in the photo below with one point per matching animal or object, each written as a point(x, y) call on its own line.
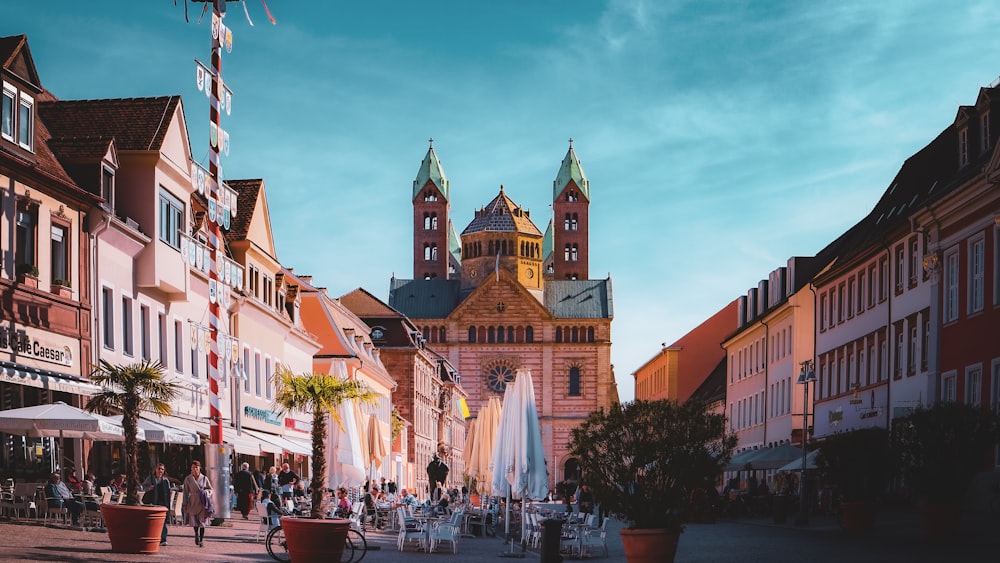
point(246, 200)
point(136, 124)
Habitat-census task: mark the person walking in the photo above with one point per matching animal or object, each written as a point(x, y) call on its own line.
point(159, 485)
point(197, 501)
point(246, 489)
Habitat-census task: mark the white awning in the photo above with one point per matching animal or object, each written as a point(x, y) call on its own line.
point(279, 443)
point(244, 444)
point(45, 379)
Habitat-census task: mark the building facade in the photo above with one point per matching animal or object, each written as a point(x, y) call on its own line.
point(513, 298)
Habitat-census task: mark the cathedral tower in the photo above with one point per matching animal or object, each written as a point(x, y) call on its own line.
point(431, 222)
point(570, 221)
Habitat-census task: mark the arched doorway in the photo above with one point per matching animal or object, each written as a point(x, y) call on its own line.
point(571, 470)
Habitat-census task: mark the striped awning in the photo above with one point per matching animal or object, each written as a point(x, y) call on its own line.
point(45, 379)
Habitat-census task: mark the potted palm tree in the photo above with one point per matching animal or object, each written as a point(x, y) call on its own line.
point(316, 539)
point(643, 460)
point(940, 449)
point(131, 389)
point(858, 464)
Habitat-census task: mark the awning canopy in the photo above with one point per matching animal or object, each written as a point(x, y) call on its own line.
point(164, 433)
point(45, 379)
point(272, 443)
point(764, 458)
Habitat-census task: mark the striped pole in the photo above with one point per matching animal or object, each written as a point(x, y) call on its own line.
point(214, 231)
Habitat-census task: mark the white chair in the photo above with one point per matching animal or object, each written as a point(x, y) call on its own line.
point(264, 521)
point(48, 509)
point(449, 531)
point(409, 529)
point(594, 537)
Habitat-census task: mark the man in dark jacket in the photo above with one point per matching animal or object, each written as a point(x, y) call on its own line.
point(246, 489)
point(158, 484)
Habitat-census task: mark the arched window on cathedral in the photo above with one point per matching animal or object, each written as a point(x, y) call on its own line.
point(575, 254)
point(430, 196)
point(573, 223)
point(481, 337)
point(472, 334)
point(427, 334)
point(500, 334)
point(430, 252)
point(566, 253)
point(510, 334)
point(571, 195)
point(566, 223)
point(491, 335)
point(503, 247)
point(559, 334)
point(576, 334)
point(519, 335)
point(441, 335)
point(529, 334)
point(590, 334)
point(490, 248)
point(574, 381)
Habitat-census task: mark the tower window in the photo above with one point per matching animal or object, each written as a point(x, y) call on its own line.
point(574, 381)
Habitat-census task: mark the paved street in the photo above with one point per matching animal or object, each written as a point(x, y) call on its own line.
point(750, 540)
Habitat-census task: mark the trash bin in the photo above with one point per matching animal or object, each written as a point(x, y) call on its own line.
point(779, 511)
point(551, 532)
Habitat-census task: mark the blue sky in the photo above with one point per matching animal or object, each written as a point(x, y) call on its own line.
point(719, 138)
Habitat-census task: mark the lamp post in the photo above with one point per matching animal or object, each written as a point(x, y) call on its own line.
point(806, 375)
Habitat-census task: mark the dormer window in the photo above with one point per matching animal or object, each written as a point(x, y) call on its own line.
point(963, 146)
point(7, 112)
point(984, 130)
point(108, 188)
point(25, 121)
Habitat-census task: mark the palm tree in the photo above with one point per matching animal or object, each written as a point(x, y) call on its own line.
point(317, 394)
point(131, 389)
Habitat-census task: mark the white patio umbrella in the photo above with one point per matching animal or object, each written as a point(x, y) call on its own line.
point(346, 460)
point(162, 433)
point(59, 420)
point(487, 422)
point(518, 458)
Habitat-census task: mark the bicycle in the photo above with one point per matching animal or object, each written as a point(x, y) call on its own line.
point(355, 546)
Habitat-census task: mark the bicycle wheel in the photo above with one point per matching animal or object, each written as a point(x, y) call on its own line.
point(277, 548)
point(358, 545)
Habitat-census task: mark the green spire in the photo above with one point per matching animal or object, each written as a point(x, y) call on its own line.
point(430, 169)
point(571, 170)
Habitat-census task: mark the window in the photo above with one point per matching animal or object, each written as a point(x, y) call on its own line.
point(144, 335)
point(256, 373)
point(108, 188)
point(926, 347)
point(871, 286)
point(911, 364)
point(127, 345)
point(25, 121)
point(430, 252)
point(822, 312)
point(984, 130)
point(60, 256)
point(977, 253)
point(430, 221)
point(108, 316)
point(268, 378)
point(529, 334)
point(883, 269)
point(974, 386)
point(25, 239)
point(948, 387)
point(859, 305)
point(900, 267)
point(951, 286)
point(851, 289)
point(244, 370)
point(171, 219)
point(897, 358)
point(7, 112)
point(178, 347)
point(963, 146)
point(472, 334)
point(162, 330)
point(914, 261)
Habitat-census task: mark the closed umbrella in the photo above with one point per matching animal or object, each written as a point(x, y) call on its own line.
point(518, 457)
point(487, 423)
point(346, 458)
point(470, 442)
point(376, 443)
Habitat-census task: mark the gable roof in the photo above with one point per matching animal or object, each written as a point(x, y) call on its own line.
point(432, 171)
point(571, 171)
point(136, 124)
point(425, 299)
point(502, 215)
point(15, 58)
point(579, 299)
point(364, 304)
point(246, 201)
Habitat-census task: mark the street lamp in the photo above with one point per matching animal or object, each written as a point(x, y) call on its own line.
point(806, 375)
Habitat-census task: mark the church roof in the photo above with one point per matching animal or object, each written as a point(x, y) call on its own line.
point(548, 241)
point(431, 169)
point(565, 299)
point(502, 215)
point(454, 242)
point(571, 169)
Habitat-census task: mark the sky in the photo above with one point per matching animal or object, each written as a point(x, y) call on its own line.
point(720, 138)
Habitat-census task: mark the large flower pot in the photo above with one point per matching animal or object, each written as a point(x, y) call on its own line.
point(857, 516)
point(650, 546)
point(940, 521)
point(134, 529)
point(315, 541)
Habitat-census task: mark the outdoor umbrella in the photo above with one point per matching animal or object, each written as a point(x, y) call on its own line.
point(60, 420)
point(376, 443)
point(776, 456)
point(487, 422)
point(346, 461)
point(796, 465)
point(162, 433)
point(518, 457)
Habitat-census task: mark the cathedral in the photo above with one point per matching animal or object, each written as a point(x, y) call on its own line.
point(503, 295)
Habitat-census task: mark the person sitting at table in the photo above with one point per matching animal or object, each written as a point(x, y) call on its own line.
point(274, 510)
point(406, 499)
point(441, 506)
point(72, 483)
point(343, 503)
point(58, 495)
point(88, 487)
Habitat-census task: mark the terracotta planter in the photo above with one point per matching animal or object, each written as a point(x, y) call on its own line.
point(134, 529)
point(940, 521)
point(650, 546)
point(315, 541)
point(857, 516)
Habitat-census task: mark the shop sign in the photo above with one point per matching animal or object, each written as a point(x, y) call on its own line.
point(300, 425)
point(20, 343)
point(267, 416)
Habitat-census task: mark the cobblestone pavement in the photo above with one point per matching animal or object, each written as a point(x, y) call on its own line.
point(897, 538)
